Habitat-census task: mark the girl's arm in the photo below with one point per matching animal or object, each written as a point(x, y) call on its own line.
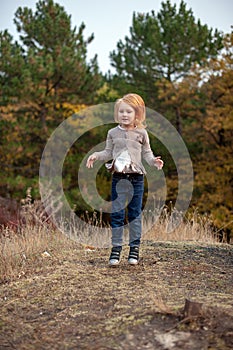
point(104, 155)
point(148, 154)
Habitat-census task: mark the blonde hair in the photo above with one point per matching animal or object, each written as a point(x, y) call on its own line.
point(137, 103)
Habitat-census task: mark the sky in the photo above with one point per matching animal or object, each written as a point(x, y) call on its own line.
point(110, 20)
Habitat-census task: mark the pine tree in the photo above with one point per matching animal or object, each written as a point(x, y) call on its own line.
point(162, 46)
point(39, 75)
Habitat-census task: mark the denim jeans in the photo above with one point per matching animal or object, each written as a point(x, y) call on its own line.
point(127, 192)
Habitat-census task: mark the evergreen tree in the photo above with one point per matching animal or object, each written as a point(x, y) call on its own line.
point(51, 63)
point(165, 45)
point(39, 76)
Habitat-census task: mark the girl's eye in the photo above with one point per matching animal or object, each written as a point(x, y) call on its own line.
point(127, 111)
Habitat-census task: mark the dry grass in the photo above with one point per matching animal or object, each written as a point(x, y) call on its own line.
point(36, 237)
point(19, 250)
point(33, 238)
point(194, 227)
point(61, 295)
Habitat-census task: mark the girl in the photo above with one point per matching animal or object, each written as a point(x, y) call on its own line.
point(126, 145)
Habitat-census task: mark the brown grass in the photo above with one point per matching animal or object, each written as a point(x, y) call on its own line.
point(36, 237)
point(194, 227)
point(62, 295)
point(25, 243)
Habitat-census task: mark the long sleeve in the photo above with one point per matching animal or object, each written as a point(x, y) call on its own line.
point(147, 153)
point(106, 154)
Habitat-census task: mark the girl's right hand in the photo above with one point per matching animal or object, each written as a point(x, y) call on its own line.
point(90, 161)
point(158, 162)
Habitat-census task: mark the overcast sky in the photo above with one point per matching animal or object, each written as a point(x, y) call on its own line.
point(110, 20)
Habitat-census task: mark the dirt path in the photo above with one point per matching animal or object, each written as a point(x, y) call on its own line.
point(73, 300)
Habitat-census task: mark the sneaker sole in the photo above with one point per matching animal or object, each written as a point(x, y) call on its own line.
point(115, 264)
point(133, 263)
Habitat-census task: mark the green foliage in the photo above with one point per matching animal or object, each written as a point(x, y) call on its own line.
point(161, 46)
point(11, 66)
point(55, 56)
point(41, 78)
point(49, 67)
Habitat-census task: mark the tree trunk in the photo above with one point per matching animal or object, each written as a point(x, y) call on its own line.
point(178, 120)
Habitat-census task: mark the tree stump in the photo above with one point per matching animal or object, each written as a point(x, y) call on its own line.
point(192, 309)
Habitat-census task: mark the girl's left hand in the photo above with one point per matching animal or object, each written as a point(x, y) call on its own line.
point(158, 162)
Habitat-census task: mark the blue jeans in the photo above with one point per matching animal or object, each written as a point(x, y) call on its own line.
point(127, 192)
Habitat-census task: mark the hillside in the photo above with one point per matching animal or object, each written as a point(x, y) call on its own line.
point(70, 299)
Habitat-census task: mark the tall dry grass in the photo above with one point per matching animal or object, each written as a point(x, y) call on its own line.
point(192, 227)
point(33, 237)
point(37, 237)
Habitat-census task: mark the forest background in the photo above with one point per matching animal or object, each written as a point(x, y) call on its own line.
point(182, 69)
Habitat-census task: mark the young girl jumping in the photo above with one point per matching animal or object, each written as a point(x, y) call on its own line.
point(126, 145)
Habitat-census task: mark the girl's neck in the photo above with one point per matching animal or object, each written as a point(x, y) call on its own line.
point(127, 127)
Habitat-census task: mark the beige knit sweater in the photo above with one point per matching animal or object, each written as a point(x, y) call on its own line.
point(135, 141)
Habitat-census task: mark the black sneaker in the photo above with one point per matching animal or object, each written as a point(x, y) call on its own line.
point(114, 258)
point(133, 258)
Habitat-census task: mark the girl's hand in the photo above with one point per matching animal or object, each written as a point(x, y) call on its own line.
point(158, 162)
point(90, 161)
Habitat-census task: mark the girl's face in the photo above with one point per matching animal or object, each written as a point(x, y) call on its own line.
point(126, 115)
